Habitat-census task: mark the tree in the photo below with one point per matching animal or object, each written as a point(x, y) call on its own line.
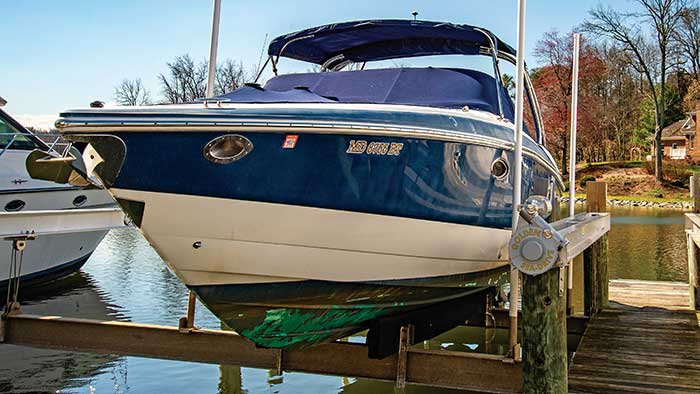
point(688, 38)
point(185, 80)
point(229, 76)
point(674, 110)
point(692, 97)
point(649, 56)
point(552, 83)
point(620, 98)
point(509, 83)
point(131, 92)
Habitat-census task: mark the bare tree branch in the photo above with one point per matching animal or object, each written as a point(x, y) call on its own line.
point(131, 92)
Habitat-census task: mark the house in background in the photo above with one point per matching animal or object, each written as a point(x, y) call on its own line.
point(679, 138)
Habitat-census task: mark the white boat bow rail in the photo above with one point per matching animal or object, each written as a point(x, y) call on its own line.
point(38, 223)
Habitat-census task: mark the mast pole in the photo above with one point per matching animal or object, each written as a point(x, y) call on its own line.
point(213, 48)
point(517, 174)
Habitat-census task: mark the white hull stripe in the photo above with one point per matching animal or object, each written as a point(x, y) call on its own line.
point(244, 242)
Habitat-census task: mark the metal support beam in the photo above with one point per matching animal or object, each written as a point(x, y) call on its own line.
point(439, 368)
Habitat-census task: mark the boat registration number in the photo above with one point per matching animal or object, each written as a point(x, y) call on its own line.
point(359, 147)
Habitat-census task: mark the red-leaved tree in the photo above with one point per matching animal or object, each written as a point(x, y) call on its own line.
point(552, 83)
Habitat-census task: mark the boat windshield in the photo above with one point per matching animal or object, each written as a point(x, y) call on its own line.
point(12, 138)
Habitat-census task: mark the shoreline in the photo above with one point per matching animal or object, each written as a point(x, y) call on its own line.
point(632, 202)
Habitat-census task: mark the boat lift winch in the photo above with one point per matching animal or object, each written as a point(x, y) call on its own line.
point(537, 246)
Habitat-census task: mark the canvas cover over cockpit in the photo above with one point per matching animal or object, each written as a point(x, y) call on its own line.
point(373, 40)
point(431, 87)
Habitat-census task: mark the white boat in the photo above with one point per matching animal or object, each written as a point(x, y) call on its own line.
point(48, 256)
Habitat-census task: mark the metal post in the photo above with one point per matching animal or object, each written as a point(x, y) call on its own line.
point(214, 47)
point(517, 174)
point(572, 159)
point(572, 139)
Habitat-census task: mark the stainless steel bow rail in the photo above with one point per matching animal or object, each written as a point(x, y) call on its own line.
point(56, 146)
point(534, 244)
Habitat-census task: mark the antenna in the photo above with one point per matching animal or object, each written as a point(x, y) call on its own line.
point(415, 14)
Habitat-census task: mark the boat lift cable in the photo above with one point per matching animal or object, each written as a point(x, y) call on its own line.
point(14, 274)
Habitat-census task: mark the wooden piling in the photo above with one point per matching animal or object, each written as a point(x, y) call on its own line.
point(595, 258)
point(695, 192)
point(544, 334)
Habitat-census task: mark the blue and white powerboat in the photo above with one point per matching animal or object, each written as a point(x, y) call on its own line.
point(305, 209)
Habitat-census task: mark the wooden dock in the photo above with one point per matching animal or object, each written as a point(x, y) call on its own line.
point(647, 341)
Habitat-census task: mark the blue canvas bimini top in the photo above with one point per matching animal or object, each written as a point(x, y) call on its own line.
point(336, 44)
point(373, 40)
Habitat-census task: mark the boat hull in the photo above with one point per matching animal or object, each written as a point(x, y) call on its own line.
point(49, 257)
point(315, 225)
point(300, 314)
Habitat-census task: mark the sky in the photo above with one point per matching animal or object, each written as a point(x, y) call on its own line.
point(64, 54)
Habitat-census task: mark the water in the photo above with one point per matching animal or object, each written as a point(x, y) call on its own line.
point(648, 244)
point(126, 280)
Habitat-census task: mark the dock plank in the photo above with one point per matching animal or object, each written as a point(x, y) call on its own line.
point(647, 341)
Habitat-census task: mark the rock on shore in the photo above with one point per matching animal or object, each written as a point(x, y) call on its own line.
point(632, 203)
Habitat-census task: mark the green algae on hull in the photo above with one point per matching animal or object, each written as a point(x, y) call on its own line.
point(285, 327)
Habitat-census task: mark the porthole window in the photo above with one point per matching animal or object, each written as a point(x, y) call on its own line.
point(14, 205)
point(227, 149)
point(79, 200)
point(499, 169)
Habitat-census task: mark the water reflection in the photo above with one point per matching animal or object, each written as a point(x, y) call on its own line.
point(648, 244)
point(126, 280)
point(25, 370)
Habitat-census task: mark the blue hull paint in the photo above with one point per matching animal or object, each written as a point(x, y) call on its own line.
point(428, 179)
